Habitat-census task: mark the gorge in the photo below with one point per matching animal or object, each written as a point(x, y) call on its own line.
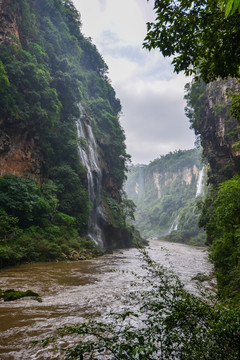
point(67, 227)
point(166, 193)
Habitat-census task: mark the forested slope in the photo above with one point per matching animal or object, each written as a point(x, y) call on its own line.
point(165, 194)
point(51, 76)
point(211, 116)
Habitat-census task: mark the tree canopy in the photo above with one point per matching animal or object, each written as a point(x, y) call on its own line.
point(198, 35)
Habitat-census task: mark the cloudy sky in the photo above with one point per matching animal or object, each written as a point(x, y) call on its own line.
point(150, 93)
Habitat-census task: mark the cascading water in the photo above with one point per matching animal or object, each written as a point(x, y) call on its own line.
point(174, 225)
point(199, 189)
point(89, 157)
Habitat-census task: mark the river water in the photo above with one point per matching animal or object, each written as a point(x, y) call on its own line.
point(71, 291)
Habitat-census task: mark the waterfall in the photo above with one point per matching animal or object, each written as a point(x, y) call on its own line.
point(174, 225)
point(89, 156)
point(199, 189)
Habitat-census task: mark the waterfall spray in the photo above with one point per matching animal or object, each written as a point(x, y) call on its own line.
point(89, 157)
point(199, 189)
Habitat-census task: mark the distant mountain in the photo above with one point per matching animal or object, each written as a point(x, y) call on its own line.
point(166, 193)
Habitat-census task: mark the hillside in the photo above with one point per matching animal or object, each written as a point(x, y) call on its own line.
point(213, 111)
point(60, 186)
point(165, 193)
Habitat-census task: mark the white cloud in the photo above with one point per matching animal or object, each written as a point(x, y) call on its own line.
point(150, 93)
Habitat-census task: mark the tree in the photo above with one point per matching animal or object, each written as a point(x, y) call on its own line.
point(198, 36)
point(223, 227)
point(230, 7)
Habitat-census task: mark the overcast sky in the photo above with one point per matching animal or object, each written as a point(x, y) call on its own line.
point(150, 93)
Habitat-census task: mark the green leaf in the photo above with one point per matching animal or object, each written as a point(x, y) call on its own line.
point(228, 7)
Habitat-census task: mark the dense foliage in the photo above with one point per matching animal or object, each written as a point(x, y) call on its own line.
point(160, 321)
point(44, 75)
point(198, 36)
point(220, 218)
point(32, 226)
point(207, 110)
point(165, 194)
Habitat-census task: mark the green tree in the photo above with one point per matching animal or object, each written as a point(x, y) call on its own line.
point(223, 228)
point(198, 36)
point(230, 7)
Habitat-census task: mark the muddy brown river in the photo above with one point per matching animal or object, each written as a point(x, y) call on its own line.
point(71, 291)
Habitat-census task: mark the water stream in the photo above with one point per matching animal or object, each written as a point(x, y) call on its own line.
point(72, 291)
point(199, 189)
point(88, 153)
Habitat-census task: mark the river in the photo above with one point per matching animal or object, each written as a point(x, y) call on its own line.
point(71, 291)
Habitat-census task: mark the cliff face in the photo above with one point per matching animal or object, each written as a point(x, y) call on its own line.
point(52, 83)
point(8, 23)
point(162, 190)
point(19, 153)
point(19, 149)
point(218, 130)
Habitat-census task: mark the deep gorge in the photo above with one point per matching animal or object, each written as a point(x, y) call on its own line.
point(64, 198)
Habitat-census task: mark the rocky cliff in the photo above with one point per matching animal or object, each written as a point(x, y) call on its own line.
point(54, 83)
point(164, 191)
point(19, 149)
point(209, 112)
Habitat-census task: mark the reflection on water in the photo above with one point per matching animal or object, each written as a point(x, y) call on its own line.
point(71, 291)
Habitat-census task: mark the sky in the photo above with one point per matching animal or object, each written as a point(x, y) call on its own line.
point(150, 92)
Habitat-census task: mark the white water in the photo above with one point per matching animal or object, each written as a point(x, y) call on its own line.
point(199, 190)
point(174, 225)
point(89, 157)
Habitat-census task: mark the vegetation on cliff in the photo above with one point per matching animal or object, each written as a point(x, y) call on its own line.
point(203, 38)
point(46, 69)
point(165, 195)
point(209, 111)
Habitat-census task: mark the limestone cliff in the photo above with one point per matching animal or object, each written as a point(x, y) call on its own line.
point(54, 82)
point(163, 191)
point(209, 112)
point(19, 148)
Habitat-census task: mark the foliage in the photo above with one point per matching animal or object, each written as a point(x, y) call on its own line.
point(161, 321)
point(188, 230)
point(230, 7)
point(196, 97)
point(161, 192)
point(235, 103)
point(224, 232)
point(44, 75)
point(11, 295)
point(8, 225)
point(32, 227)
point(198, 36)
point(73, 197)
point(119, 232)
point(20, 198)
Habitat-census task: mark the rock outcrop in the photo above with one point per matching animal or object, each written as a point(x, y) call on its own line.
point(220, 131)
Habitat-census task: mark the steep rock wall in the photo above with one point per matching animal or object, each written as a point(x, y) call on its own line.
point(162, 190)
point(48, 68)
point(8, 23)
point(20, 150)
point(219, 131)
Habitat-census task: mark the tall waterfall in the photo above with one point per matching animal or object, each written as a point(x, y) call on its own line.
point(199, 189)
point(89, 157)
point(174, 225)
